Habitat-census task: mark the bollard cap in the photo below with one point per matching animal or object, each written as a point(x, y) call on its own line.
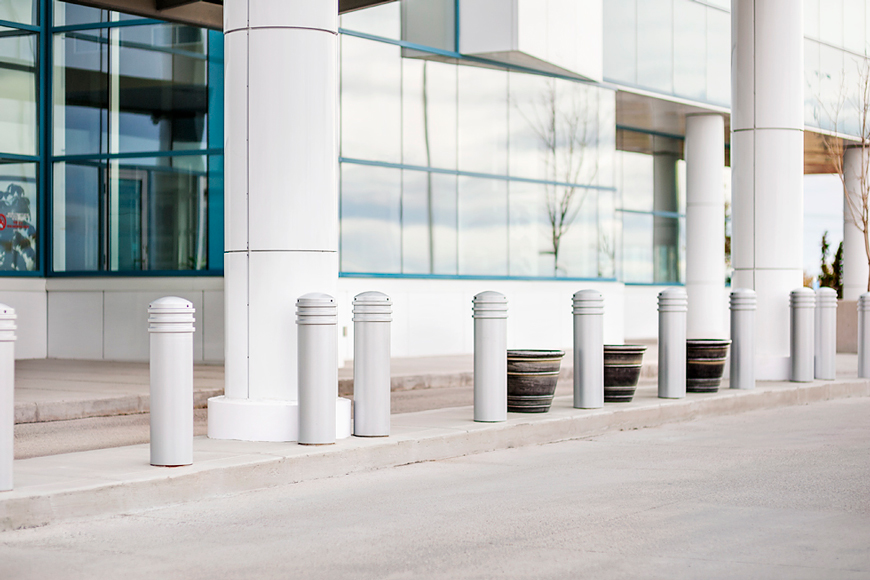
point(171, 305)
point(826, 297)
point(864, 302)
point(673, 299)
point(316, 308)
point(743, 299)
point(802, 298)
point(171, 314)
point(7, 323)
point(490, 305)
point(588, 302)
point(372, 307)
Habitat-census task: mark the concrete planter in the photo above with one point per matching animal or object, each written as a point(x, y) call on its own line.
point(531, 380)
point(705, 364)
point(622, 364)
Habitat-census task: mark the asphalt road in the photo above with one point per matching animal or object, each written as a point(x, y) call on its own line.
point(766, 494)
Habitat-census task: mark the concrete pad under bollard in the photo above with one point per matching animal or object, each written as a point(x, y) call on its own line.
point(113, 481)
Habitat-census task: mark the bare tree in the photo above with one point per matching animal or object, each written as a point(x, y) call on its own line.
point(566, 132)
point(856, 187)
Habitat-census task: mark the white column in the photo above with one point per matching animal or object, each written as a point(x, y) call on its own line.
point(281, 231)
point(767, 167)
point(705, 226)
point(855, 265)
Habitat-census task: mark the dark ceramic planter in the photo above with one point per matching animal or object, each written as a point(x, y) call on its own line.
point(705, 364)
point(531, 380)
point(622, 364)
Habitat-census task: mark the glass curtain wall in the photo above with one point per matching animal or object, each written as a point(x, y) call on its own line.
point(136, 147)
point(450, 168)
point(20, 187)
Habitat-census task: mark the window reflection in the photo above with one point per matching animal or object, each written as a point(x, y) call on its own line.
point(162, 89)
point(384, 20)
point(68, 14)
point(428, 223)
point(428, 113)
point(371, 100)
point(371, 234)
point(18, 82)
point(483, 220)
point(81, 92)
point(18, 216)
point(483, 119)
point(718, 57)
point(20, 11)
point(655, 64)
point(620, 41)
point(637, 248)
point(690, 58)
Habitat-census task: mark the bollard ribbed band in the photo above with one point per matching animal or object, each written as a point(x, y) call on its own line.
point(171, 314)
point(372, 307)
point(864, 302)
point(826, 298)
point(802, 298)
point(316, 308)
point(490, 305)
point(588, 302)
point(7, 323)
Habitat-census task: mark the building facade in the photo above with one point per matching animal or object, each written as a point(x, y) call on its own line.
point(534, 147)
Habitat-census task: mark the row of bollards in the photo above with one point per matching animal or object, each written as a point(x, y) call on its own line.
point(813, 340)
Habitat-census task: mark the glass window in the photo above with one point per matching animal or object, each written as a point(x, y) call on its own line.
point(429, 113)
point(620, 41)
point(18, 216)
point(371, 231)
point(812, 92)
point(384, 20)
point(830, 86)
point(577, 232)
point(855, 67)
point(162, 89)
point(831, 22)
point(853, 32)
point(607, 234)
point(20, 11)
point(533, 112)
point(81, 93)
point(483, 222)
point(483, 120)
point(666, 243)
point(131, 214)
point(428, 223)
point(68, 14)
point(637, 181)
point(531, 246)
point(606, 137)
point(371, 100)
point(718, 57)
point(811, 18)
point(690, 58)
point(655, 58)
point(637, 248)
point(18, 82)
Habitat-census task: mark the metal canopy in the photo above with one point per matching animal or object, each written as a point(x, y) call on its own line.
point(206, 13)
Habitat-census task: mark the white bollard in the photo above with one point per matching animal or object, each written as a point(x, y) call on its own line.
point(371, 364)
point(316, 319)
point(826, 334)
point(864, 336)
point(170, 325)
point(673, 306)
point(490, 357)
point(7, 395)
point(588, 349)
point(743, 304)
point(802, 303)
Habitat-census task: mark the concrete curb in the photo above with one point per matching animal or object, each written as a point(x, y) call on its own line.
point(41, 412)
point(112, 481)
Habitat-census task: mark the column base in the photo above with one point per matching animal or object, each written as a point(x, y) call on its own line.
point(772, 368)
point(265, 420)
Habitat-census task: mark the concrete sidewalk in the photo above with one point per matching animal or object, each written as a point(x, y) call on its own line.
point(119, 480)
point(62, 390)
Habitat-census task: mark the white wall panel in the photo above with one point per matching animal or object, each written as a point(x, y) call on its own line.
point(75, 325)
point(32, 311)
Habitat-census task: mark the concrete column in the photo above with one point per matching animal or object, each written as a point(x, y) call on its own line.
point(856, 272)
point(705, 226)
point(281, 231)
point(767, 167)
